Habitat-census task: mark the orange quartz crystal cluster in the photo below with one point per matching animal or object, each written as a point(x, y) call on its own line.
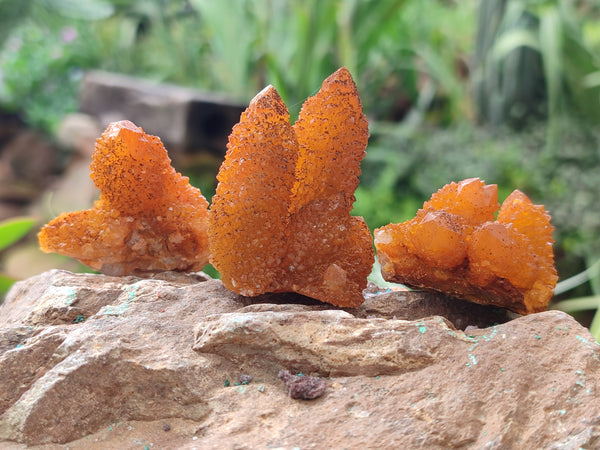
point(148, 217)
point(454, 245)
point(280, 221)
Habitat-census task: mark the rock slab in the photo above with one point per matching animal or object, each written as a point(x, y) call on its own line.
point(198, 120)
point(117, 362)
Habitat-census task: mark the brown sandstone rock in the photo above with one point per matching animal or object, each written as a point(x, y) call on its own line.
point(154, 355)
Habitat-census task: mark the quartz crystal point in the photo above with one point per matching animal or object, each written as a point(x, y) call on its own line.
point(148, 216)
point(280, 220)
point(455, 245)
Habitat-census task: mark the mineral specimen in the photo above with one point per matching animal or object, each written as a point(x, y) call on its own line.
point(301, 386)
point(455, 246)
point(280, 221)
point(148, 217)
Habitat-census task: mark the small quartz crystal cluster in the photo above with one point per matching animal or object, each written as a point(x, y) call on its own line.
point(455, 245)
point(148, 217)
point(280, 220)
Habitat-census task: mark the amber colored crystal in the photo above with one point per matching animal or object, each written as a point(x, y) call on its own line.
point(280, 219)
point(148, 216)
point(454, 245)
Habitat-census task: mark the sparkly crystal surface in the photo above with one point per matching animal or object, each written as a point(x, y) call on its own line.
point(148, 216)
point(456, 246)
point(280, 220)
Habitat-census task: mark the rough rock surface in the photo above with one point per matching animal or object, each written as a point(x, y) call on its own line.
point(122, 362)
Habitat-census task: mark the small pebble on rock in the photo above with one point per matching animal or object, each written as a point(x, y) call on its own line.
point(303, 387)
point(245, 379)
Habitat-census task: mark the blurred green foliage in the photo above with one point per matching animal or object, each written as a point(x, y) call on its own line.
point(576, 305)
point(537, 59)
point(236, 47)
point(11, 231)
point(44, 46)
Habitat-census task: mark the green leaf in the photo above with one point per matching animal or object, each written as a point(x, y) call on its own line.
point(595, 325)
point(591, 80)
point(513, 39)
point(551, 34)
point(5, 284)
point(591, 272)
point(11, 230)
point(573, 305)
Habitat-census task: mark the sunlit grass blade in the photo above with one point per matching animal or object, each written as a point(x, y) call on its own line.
point(11, 230)
point(573, 305)
point(579, 279)
point(595, 325)
point(5, 284)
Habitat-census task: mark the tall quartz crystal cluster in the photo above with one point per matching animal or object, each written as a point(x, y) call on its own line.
point(280, 220)
point(148, 217)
